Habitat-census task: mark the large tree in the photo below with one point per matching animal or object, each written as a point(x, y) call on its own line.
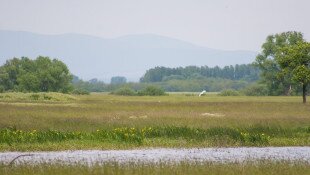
point(41, 74)
point(270, 68)
point(294, 61)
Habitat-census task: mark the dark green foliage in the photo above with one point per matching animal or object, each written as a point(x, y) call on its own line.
point(294, 61)
point(90, 86)
point(1, 89)
point(188, 79)
point(277, 83)
point(246, 72)
point(147, 91)
point(173, 85)
point(39, 75)
point(80, 92)
point(255, 90)
point(173, 77)
point(229, 92)
point(125, 91)
point(151, 91)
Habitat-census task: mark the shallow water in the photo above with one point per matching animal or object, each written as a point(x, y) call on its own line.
point(220, 155)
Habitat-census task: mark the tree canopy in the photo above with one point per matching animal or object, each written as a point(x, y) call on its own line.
point(270, 68)
point(294, 61)
point(39, 75)
point(238, 72)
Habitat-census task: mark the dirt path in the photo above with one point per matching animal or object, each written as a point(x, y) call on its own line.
point(221, 155)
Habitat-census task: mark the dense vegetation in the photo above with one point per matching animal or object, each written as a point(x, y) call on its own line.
point(147, 91)
point(191, 85)
point(188, 79)
point(39, 75)
point(284, 62)
point(246, 72)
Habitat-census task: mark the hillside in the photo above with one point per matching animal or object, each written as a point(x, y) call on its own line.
point(130, 56)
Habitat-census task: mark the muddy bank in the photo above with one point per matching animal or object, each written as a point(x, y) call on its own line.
point(220, 155)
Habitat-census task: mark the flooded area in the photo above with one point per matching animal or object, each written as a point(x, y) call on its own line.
point(156, 155)
point(219, 155)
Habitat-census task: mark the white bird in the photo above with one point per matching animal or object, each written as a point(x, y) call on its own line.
point(201, 93)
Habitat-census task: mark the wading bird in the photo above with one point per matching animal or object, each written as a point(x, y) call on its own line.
point(201, 93)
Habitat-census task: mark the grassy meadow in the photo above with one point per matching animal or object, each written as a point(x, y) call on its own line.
point(103, 121)
point(258, 168)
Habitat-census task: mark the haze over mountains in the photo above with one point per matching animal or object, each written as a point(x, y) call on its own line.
point(130, 56)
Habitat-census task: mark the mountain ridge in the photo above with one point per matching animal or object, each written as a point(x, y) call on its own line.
point(130, 55)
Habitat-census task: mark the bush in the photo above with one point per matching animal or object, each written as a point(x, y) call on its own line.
point(229, 92)
point(255, 90)
point(80, 92)
point(125, 91)
point(2, 89)
point(34, 96)
point(151, 91)
point(40, 96)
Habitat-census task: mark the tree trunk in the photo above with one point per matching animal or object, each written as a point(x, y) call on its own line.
point(304, 93)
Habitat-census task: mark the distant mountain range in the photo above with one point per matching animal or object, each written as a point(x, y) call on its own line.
point(130, 56)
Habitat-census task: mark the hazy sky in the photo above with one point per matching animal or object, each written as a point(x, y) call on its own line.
point(221, 24)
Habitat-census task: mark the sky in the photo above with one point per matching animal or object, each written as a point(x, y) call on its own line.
point(219, 24)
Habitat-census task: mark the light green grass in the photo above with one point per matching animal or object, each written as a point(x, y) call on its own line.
point(257, 168)
point(32, 97)
point(285, 120)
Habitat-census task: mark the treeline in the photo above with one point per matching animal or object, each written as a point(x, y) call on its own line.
point(246, 72)
point(40, 75)
point(189, 85)
point(190, 78)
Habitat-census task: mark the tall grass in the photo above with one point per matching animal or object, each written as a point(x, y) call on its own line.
point(251, 136)
point(114, 168)
point(176, 120)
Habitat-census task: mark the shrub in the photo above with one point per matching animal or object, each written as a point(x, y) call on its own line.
point(2, 89)
point(255, 90)
point(80, 92)
point(125, 91)
point(40, 96)
point(229, 92)
point(151, 91)
point(34, 96)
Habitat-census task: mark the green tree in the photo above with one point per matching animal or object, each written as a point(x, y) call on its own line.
point(41, 74)
point(294, 61)
point(270, 68)
point(9, 73)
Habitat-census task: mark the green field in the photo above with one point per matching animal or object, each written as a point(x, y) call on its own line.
point(258, 168)
point(103, 121)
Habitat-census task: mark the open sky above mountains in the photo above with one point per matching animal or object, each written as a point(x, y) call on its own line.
point(89, 57)
point(221, 24)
